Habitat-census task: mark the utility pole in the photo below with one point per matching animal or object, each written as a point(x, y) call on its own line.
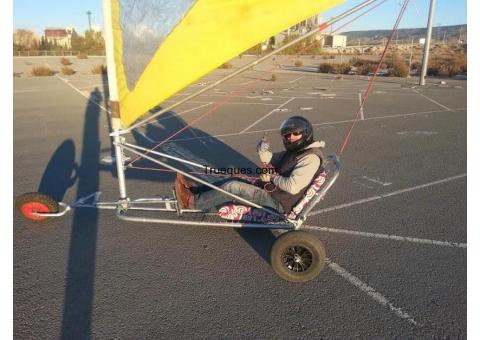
point(89, 21)
point(427, 43)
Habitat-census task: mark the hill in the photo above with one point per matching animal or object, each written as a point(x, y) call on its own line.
point(440, 33)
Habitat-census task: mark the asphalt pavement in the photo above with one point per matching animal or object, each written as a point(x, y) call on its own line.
point(394, 225)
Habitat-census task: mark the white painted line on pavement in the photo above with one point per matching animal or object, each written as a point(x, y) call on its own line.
point(294, 80)
point(362, 116)
point(180, 113)
point(25, 91)
point(433, 101)
point(322, 124)
point(246, 96)
point(377, 181)
point(82, 93)
point(268, 114)
point(230, 103)
point(369, 291)
point(194, 108)
point(389, 237)
point(378, 197)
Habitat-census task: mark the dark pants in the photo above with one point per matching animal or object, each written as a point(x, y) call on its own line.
point(207, 198)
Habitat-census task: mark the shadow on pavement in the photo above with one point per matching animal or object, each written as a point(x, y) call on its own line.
point(61, 172)
point(80, 279)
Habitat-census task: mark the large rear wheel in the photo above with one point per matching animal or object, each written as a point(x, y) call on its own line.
point(298, 256)
point(35, 202)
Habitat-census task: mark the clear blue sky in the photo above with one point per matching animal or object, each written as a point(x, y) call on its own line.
point(447, 12)
point(36, 15)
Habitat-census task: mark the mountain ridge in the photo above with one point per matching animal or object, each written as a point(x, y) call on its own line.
point(449, 33)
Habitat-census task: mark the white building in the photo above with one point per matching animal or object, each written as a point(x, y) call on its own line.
point(60, 36)
point(335, 40)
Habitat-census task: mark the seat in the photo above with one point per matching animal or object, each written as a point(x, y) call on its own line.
point(314, 194)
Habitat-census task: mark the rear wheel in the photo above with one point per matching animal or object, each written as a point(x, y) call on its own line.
point(34, 202)
point(298, 256)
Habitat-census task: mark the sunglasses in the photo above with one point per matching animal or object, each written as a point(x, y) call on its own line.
point(296, 134)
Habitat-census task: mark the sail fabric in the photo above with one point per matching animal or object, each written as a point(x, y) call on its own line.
point(162, 46)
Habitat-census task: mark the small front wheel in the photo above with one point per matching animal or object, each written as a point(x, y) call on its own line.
point(298, 256)
point(35, 202)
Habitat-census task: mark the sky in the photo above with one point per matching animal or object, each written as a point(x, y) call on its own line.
point(36, 15)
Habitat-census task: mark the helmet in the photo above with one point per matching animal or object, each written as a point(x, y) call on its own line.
point(296, 124)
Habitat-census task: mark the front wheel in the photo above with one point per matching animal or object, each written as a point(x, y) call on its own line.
point(298, 256)
point(34, 202)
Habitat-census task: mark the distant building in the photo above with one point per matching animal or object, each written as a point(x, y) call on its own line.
point(298, 29)
point(335, 40)
point(60, 36)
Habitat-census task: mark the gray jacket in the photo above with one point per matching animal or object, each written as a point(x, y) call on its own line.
point(302, 174)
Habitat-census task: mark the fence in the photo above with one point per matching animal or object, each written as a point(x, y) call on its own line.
point(57, 53)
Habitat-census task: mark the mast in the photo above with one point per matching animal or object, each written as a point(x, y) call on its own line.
point(114, 103)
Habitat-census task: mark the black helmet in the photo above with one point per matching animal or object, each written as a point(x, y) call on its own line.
point(296, 124)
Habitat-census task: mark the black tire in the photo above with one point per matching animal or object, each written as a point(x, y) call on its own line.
point(31, 202)
point(298, 256)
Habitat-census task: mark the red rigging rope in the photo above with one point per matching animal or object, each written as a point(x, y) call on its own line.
point(245, 87)
point(372, 79)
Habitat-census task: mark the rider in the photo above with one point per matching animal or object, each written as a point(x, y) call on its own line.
point(295, 169)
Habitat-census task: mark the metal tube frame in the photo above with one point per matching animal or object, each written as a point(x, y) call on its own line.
point(113, 92)
point(198, 179)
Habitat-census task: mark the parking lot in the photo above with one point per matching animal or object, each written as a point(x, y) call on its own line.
point(394, 225)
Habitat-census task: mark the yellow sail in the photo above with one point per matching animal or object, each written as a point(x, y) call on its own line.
point(162, 46)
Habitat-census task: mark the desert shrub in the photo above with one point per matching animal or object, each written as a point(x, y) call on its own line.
point(328, 56)
point(273, 77)
point(99, 69)
point(42, 71)
point(325, 68)
point(366, 69)
point(447, 66)
point(364, 66)
point(65, 61)
point(298, 63)
point(226, 65)
point(416, 65)
point(294, 49)
point(397, 66)
point(343, 68)
point(257, 49)
point(68, 71)
point(433, 70)
point(82, 56)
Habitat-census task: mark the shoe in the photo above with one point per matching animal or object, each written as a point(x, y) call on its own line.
point(183, 181)
point(183, 194)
